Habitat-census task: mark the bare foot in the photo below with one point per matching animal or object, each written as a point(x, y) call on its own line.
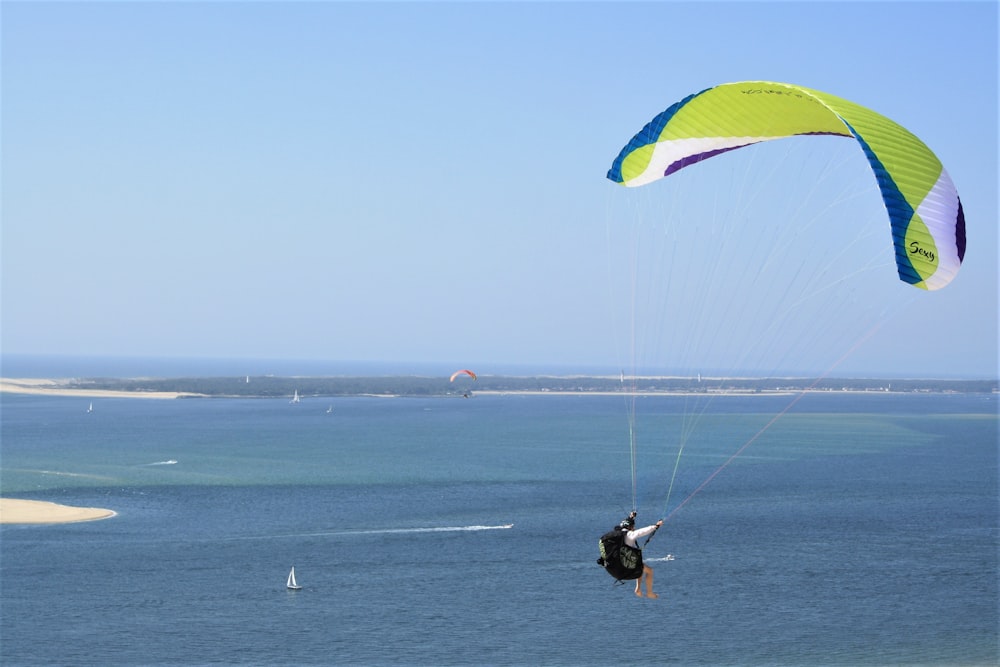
point(652, 595)
point(638, 592)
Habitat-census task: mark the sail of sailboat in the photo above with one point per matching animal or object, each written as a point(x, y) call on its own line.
point(291, 583)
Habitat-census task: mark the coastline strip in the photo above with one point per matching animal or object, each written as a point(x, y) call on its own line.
point(17, 511)
point(42, 387)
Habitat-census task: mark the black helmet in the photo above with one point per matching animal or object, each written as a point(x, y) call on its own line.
point(628, 523)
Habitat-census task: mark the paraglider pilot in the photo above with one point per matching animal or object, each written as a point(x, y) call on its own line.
point(631, 537)
point(621, 555)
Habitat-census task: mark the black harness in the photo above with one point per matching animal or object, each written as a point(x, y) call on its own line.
point(619, 559)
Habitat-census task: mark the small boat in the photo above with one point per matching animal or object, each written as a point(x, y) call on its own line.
point(90, 408)
point(295, 398)
point(291, 584)
point(329, 410)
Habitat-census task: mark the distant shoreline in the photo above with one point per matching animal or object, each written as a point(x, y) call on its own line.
point(47, 387)
point(409, 386)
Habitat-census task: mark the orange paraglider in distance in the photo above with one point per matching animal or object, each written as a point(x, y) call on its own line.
point(466, 372)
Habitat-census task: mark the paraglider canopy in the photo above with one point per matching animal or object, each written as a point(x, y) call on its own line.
point(462, 372)
point(925, 213)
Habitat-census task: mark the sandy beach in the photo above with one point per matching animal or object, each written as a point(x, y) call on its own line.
point(13, 510)
point(64, 387)
point(46, 387)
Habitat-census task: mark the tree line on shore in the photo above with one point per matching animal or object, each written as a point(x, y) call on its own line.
point(406, 385)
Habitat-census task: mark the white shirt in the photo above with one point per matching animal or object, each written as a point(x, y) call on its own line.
point(632, 535)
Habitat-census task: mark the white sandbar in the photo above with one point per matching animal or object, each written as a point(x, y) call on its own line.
point(13, 510)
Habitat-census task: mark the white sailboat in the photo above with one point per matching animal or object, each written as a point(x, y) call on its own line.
point(291, 584)
point(90, 408)
point(295, 398)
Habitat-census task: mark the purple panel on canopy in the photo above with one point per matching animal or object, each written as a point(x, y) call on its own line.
point(698, 157)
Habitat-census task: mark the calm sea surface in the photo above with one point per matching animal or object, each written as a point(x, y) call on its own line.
point(856, 530)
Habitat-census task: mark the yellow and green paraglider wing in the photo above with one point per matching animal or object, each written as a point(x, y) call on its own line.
point(925, 213)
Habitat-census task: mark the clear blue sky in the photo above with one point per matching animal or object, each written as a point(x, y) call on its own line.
point(423, 182)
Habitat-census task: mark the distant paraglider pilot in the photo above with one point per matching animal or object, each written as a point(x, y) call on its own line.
point(621, 554)
point(464, 371)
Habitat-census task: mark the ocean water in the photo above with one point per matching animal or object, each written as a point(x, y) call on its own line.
point(856, 530)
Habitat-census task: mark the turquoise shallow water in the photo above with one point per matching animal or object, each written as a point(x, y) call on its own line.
point(857, 530)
